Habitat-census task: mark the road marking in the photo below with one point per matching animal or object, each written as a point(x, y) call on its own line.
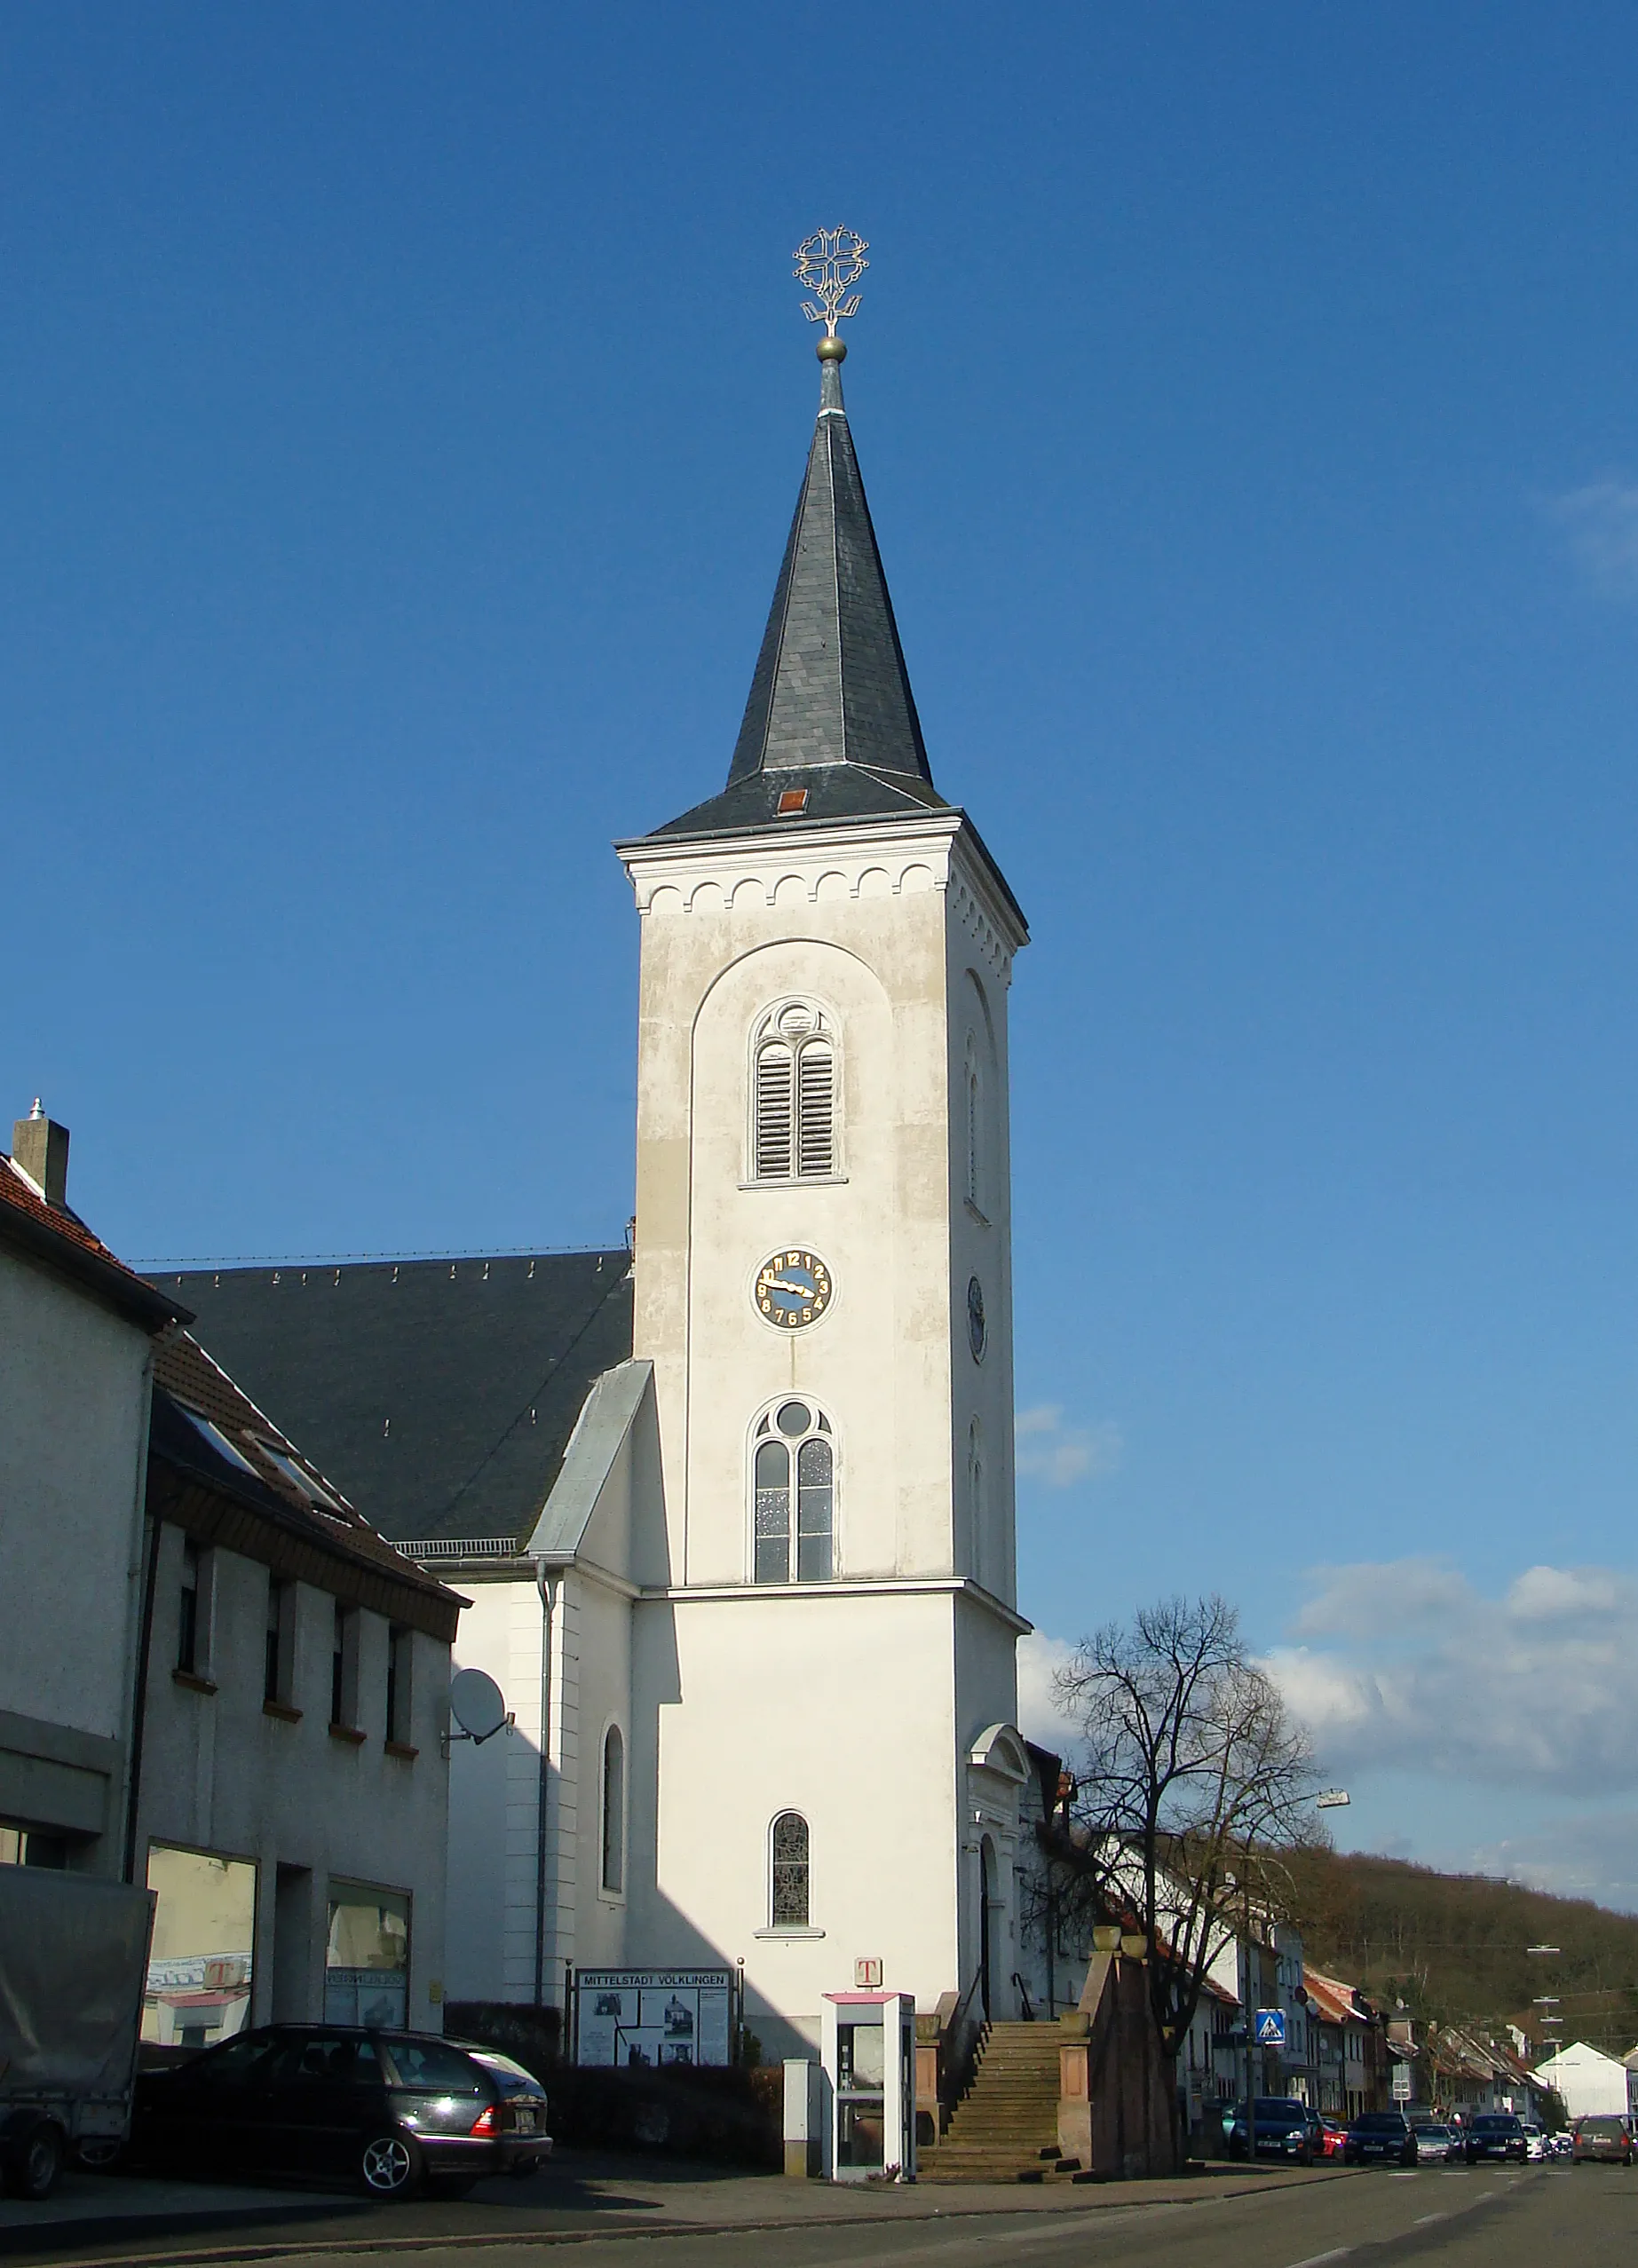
point(1317, 2259)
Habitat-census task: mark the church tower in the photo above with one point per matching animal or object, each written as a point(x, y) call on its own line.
point(823, 1767)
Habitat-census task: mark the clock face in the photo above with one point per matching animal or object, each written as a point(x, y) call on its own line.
point(976, 1333)
point(793, 1288)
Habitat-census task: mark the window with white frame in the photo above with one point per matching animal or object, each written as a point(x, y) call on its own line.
point(613, 1876)
point(794, 1487)
point(793, 1094)
point(790, 1873)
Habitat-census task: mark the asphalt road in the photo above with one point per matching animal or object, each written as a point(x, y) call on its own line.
point(1517, 2218)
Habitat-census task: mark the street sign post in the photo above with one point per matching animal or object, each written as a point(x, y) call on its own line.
point(1402, 2083)
point(1271, 2027)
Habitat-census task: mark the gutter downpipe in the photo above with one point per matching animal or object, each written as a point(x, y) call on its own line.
point(546, 1587)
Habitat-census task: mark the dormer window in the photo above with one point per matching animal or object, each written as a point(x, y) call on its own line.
point(792, 1095)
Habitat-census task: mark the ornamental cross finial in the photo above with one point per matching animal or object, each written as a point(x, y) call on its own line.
point(829, 263)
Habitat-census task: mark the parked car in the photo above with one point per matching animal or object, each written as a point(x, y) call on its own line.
point(1607, 2140)
point(1286, 2127)
point(1560, 2145)
point(1379, 2137)
point(1335, 2134)
point(395, 2110)
point(1496, 2134)
point(1434, 2142)
point(1535, 2140)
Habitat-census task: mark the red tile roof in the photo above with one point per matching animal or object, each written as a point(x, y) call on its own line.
point(198, 1386)
point(54, 1234)
point(1330, 2000)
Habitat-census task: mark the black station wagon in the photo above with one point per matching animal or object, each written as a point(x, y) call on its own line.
point(396, 2110)
point(1380, 2138)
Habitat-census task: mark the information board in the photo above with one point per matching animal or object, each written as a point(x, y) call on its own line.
point(652, 2016)
point(1402, 2083)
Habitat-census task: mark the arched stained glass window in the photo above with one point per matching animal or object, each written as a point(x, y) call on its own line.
point(614, 1810)
point(789, 1873)
point(792, 1095)
point(794, 1469)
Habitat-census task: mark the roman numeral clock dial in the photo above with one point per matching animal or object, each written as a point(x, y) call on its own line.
point(793, 1288)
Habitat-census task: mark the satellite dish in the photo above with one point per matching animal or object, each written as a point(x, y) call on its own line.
point(477, 1705)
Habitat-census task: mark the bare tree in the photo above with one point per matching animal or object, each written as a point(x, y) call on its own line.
point(1194, 1779)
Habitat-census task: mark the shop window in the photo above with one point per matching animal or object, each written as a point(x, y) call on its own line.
point(200, 1960)
point(366, 1956)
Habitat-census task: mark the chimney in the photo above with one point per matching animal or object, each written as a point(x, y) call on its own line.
point(40, 1153)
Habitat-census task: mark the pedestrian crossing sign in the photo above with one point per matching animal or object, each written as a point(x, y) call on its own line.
point(1271, 2027)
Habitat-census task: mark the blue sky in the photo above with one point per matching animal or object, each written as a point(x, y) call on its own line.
point(403, 409)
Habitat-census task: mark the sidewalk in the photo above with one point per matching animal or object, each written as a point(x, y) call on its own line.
point(115, 2218)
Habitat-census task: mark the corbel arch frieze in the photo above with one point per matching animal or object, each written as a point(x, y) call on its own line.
point(903, 876)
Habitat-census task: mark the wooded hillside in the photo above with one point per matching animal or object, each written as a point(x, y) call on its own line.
point(1453, 1947)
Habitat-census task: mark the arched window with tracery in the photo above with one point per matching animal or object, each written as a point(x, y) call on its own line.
point(793, 1094)
point(794, 1484)
point(788, 1872)
point(614, 1810)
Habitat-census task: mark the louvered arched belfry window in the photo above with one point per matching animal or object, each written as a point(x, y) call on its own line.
point(794, 1094)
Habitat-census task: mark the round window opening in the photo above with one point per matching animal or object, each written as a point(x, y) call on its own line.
point(793, 1419)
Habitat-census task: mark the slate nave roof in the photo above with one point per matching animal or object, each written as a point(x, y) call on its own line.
point(439, 1394)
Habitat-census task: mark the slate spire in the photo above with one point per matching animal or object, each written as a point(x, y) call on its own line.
point(830, 685)
point(830, 730)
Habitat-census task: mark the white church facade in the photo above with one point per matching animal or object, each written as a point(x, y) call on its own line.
point(735, 1510)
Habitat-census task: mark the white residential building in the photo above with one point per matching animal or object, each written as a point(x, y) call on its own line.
point(77, 1332)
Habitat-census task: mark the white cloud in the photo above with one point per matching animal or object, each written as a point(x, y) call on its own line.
point(1048, 1450)
point(1353, 1602)
point(1424, 1672)
point(1039, 1716)
point(1601, 526)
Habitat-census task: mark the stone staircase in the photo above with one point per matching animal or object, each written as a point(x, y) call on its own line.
point(1005, 2127)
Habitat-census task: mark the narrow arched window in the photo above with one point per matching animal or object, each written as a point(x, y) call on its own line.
point(973, 1136)
point(794, 1490)
point(792, 1095)
point(614, 1810)
point(975, 1501)
point(789, 1873)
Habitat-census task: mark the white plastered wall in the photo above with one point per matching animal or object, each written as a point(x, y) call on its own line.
point(72, 1426)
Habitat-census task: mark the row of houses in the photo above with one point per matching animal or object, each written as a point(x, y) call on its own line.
point(215, 1677)
point(1341, 2051)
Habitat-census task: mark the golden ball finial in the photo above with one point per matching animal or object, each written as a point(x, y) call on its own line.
point(832, 350)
